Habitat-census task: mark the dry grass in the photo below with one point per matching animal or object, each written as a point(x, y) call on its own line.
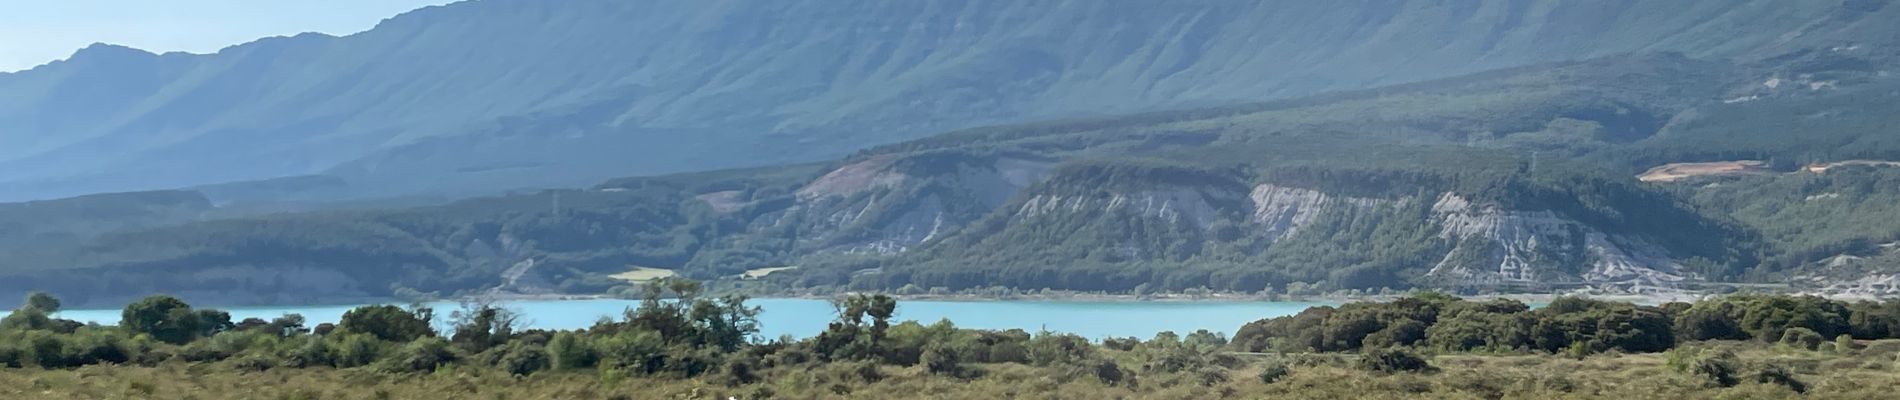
point(1864, 374)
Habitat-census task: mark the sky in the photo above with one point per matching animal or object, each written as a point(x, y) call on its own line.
point(34, 32)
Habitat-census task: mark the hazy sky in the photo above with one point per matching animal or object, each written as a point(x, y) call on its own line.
point(33, 32)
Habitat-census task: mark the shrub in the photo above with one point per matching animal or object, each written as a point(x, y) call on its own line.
point(1008, 352)
point(1717, 368)
point(1108, 372)
point(1055, 349)
point(1210, 376)
point(1780, 375)
point(253, 363)
point(422, 355)
point(740, 370)
point(1274, 371)
point(44, 350)
point(866, 371)
point(1802, 338)
point(941, 360)
point(357, 349)
point(1393, 360)
point(572, 351)
point(642, 351)
point(10, 356)
point(1844, 344)
point(388, 322)
point(1121, 344)
point(524, 360)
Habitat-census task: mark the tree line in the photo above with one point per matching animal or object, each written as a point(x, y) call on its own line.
point(678, 332)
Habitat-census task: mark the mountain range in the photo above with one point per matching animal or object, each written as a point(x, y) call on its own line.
point(963, 145)
point(481, 96)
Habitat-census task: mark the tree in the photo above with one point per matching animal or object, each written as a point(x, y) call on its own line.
point(568, 350)
point(388, 322)
point(480, 325)
point(43, 302)
point(212, 322)
point(166, 318)
point(288, 325)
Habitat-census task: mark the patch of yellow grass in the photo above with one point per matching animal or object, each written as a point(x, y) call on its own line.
point(643, 274)
point(762, 272)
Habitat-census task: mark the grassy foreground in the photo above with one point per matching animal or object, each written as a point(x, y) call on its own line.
point(1867, 373)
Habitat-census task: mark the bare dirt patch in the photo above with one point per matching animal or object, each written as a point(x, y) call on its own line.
point(1821, 168)
point(762, 272)
point(1679, 171)
point(723, 202)
point(856, 177)
point(643, 274)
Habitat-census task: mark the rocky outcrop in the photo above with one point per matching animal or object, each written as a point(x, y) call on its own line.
point(1497, 246)
point(1198, 206)
point(1281, 211)
point(882, 205)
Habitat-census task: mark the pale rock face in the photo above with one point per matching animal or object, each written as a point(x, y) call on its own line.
point(830, 210)
point(1281, 211)
point(854, 178)
point(1520, 244)
point(1173, 204)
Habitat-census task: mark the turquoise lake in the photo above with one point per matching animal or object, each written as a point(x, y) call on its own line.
point(807, 317)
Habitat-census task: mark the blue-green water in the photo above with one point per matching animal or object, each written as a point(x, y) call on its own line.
point(807, 317)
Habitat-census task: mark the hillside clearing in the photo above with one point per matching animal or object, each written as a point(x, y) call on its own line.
point(1823, 167)
point(1679, 171)
point(643, 274)
point(762, 272)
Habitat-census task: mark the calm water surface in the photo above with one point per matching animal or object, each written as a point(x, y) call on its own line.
point(807, 317)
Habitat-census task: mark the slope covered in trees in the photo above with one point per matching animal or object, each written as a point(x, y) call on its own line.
point(499, 94)
point(1512, 179)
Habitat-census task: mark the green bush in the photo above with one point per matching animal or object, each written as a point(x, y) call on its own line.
point(253, 363)
point(1802, 338)
point(11, 356)
point(1392, 360)
point(357, 349)
point(1717, 368)
point(422, 355)
point(572, 351)
point(524, 360)
point(1779, 375)
point(1273, 371)
point(389, 322)
point(310, 351)
point(1008, 352)
point(1844, 344)
point(941, 360)
point(1108, 372)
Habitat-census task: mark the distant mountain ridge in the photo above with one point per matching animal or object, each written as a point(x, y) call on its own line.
point(1507, 180)
point(494, 94)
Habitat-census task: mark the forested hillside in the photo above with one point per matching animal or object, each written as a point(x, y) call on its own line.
point(1507, 180)
point(484, 95)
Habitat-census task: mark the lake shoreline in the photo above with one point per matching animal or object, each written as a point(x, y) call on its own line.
point(1070, 297)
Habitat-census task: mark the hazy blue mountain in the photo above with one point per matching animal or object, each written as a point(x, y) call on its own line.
point(1515, 179)
point(493, 94)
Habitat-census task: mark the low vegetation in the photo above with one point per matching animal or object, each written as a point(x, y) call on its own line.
point(681, 344)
